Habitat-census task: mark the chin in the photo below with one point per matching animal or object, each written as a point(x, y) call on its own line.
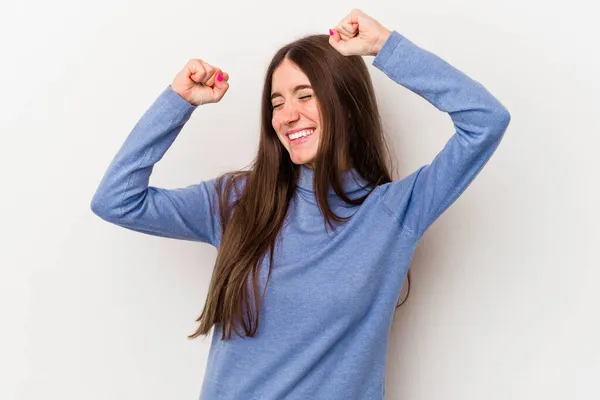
point(301, 160)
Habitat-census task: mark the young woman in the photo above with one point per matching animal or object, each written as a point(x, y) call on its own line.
point(315, 240)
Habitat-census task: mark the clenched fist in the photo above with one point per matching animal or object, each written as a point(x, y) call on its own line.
point(358, 34)
point(200, 83)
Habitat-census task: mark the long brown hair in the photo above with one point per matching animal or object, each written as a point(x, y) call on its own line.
point(253, 204)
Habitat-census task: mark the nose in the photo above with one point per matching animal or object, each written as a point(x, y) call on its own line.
point(290, 113)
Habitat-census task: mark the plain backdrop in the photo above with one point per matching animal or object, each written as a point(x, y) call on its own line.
point(504, 302)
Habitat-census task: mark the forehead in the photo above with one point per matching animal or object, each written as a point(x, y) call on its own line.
point(288, 75)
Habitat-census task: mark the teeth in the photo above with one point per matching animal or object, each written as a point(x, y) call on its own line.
point(303, 133)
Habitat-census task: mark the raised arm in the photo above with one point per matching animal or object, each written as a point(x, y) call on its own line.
point(124, 197)
point(480, 121)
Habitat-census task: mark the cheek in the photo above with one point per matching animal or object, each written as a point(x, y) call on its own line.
point(313, 112)
point(277, 127)
point(276, 123)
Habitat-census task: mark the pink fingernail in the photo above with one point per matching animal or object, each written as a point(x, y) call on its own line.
point(330, 32)
point(220, 78)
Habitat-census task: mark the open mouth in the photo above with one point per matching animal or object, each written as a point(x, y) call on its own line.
point(300, 136)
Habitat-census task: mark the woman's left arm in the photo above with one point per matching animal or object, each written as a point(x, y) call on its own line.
point(480, 120)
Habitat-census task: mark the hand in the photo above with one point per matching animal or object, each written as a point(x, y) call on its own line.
point(358, 34)
point(200, 83)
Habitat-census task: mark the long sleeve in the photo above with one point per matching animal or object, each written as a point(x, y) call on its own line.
point(480, 121)
point(124, 197)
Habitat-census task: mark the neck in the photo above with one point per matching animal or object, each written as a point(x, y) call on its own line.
point(351, 180)
point(344, 167)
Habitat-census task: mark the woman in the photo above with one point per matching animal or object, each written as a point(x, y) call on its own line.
point(315, 240)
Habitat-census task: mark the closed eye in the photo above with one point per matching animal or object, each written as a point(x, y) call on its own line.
point(308, 96)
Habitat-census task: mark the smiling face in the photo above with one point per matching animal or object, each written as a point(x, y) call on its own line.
point(296, 118)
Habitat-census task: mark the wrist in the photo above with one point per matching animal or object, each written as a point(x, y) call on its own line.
point(182, 94)
point(383, 37)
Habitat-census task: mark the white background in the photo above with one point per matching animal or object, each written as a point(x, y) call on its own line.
point(504, 303)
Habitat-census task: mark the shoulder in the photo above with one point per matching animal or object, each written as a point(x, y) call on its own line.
point(231, 185)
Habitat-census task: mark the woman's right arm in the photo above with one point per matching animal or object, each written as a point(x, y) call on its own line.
point(124, 197)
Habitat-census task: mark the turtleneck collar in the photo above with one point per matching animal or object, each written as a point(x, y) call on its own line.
point(351, 180)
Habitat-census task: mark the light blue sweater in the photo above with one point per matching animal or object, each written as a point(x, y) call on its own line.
point(327, 313)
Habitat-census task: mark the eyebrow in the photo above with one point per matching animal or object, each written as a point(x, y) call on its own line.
point(297, 88)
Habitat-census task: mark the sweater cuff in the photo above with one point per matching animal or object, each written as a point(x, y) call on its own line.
point(387, 50)
point(176, 101)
